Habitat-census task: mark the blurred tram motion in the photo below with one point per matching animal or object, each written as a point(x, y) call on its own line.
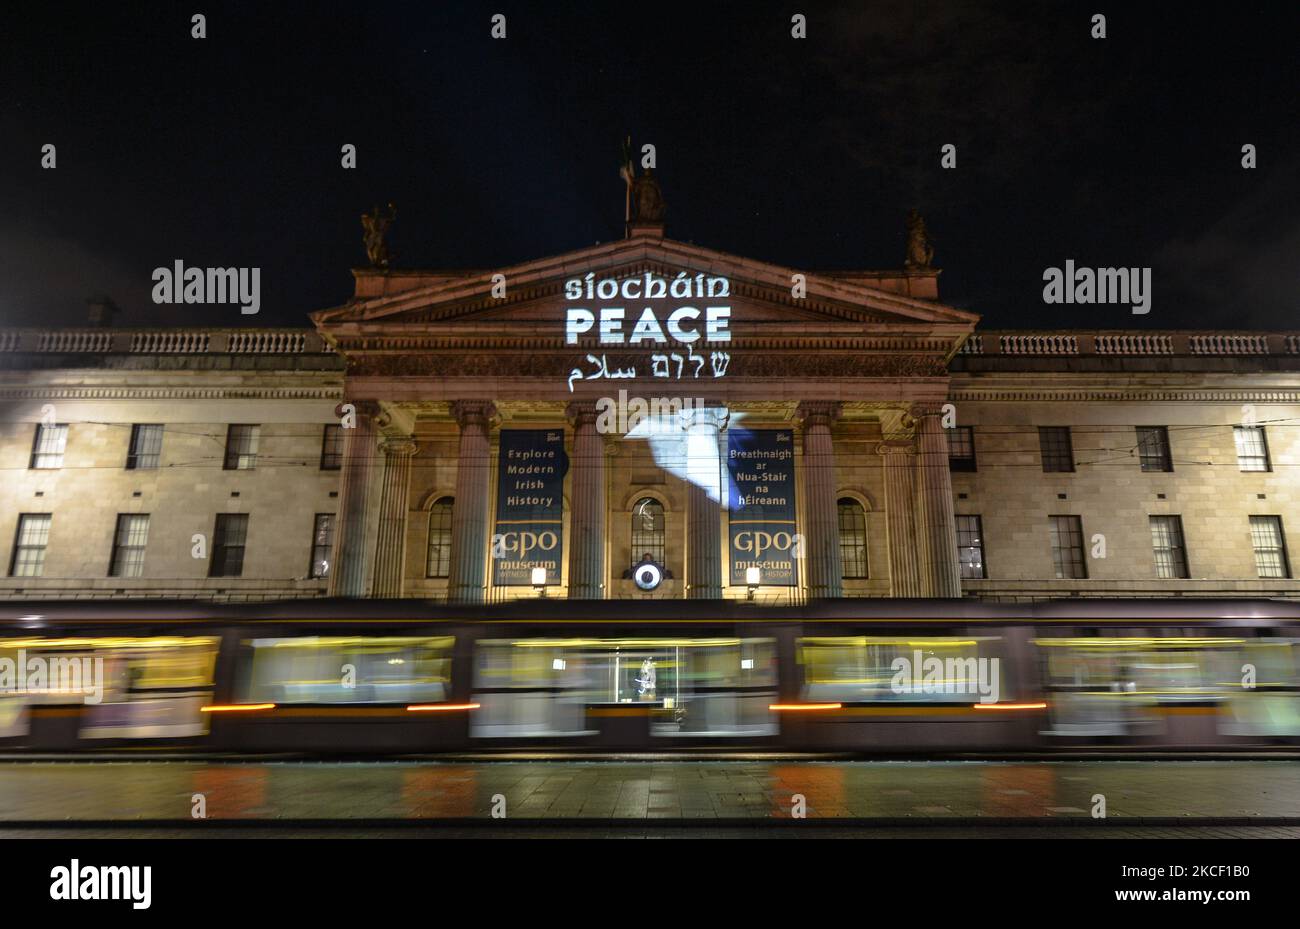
point(865, 676)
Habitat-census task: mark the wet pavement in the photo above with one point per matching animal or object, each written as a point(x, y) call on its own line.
point(1167, 793)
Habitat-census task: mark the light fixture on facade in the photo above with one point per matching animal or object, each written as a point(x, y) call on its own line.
point(539, 581)
point(753, 577)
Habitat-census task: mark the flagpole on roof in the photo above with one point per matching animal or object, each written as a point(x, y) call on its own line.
point(626, 172)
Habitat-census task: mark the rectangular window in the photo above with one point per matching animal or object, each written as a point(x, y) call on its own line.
point(241, 447)
point(29, 545)
point(1270, 546)
point(853, 538)
point(1252, 448)
point(128, 545)
point(322, 545)
point(970, 547)
point(437, 561)
point(47, 449)
point(146, 447)
point(1067, 546)
point(961, 448)
point(1167, 545)
point(1153, 448)
point(331, 452)
point(1054, 443)
point(228, 545)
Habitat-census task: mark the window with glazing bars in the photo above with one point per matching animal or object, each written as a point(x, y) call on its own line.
point(322, 544)
point(648, 530)
point(48, 446)
point(961, 448)
point(1067, 546)
point(1167, 546)
point(437, 562)
point(853, 538)
point(331, 452)
point(29, 545)
point(970, 546)
point(241, 447)
point(128, 545)
point(1054, 444)
point(1270, 546)
point(146, 447)
point(1153, 448)
point(1252, 448)
point(228, 543)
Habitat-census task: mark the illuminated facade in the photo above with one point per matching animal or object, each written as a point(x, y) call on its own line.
point(647, 418)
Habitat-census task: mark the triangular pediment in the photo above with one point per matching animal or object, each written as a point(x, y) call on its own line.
point(741, 328)
point(535, 293)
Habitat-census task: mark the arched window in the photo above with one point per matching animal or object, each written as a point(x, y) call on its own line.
point(853, 538)
point(438, 561)
point(648, 531)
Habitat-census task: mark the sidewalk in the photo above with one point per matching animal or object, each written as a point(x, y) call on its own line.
point(1187, 791)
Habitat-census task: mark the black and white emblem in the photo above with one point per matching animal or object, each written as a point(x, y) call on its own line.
point(647, 575)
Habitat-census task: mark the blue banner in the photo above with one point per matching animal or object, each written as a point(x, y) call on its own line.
point(530, 506)
point(760, 468)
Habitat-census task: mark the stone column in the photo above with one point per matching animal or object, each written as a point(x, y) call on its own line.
point(824, 567)
point(940, 575)
point(703, 502)
point(348, 572)
point(587, 512)
point(899, 457)
point(390, 546)
point(469, 518)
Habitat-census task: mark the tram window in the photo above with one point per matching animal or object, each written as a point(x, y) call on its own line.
point(1165, 668)
point(346, 669)
point(1115, 686)
point(542, 687)
point(848, 669)
point(129, 687)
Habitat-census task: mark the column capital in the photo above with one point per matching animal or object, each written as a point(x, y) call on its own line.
point(818, 412)
point(927, 409)
point(898, 448)
point(711, 416)
point(467, 412)
point(580, 412)
point(393, 420)
point(398, 446)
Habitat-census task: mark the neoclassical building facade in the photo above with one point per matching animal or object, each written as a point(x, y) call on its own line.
point(548, 429)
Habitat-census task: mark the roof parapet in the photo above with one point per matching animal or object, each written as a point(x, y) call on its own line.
point(174, 341)
point(1174, 342)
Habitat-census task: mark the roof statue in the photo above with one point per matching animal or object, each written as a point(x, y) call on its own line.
point(376, 226)
point(920, 253)
point(647, 199)
point(644, 205)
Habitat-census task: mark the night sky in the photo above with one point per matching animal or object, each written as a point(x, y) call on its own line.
point(226, 151)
